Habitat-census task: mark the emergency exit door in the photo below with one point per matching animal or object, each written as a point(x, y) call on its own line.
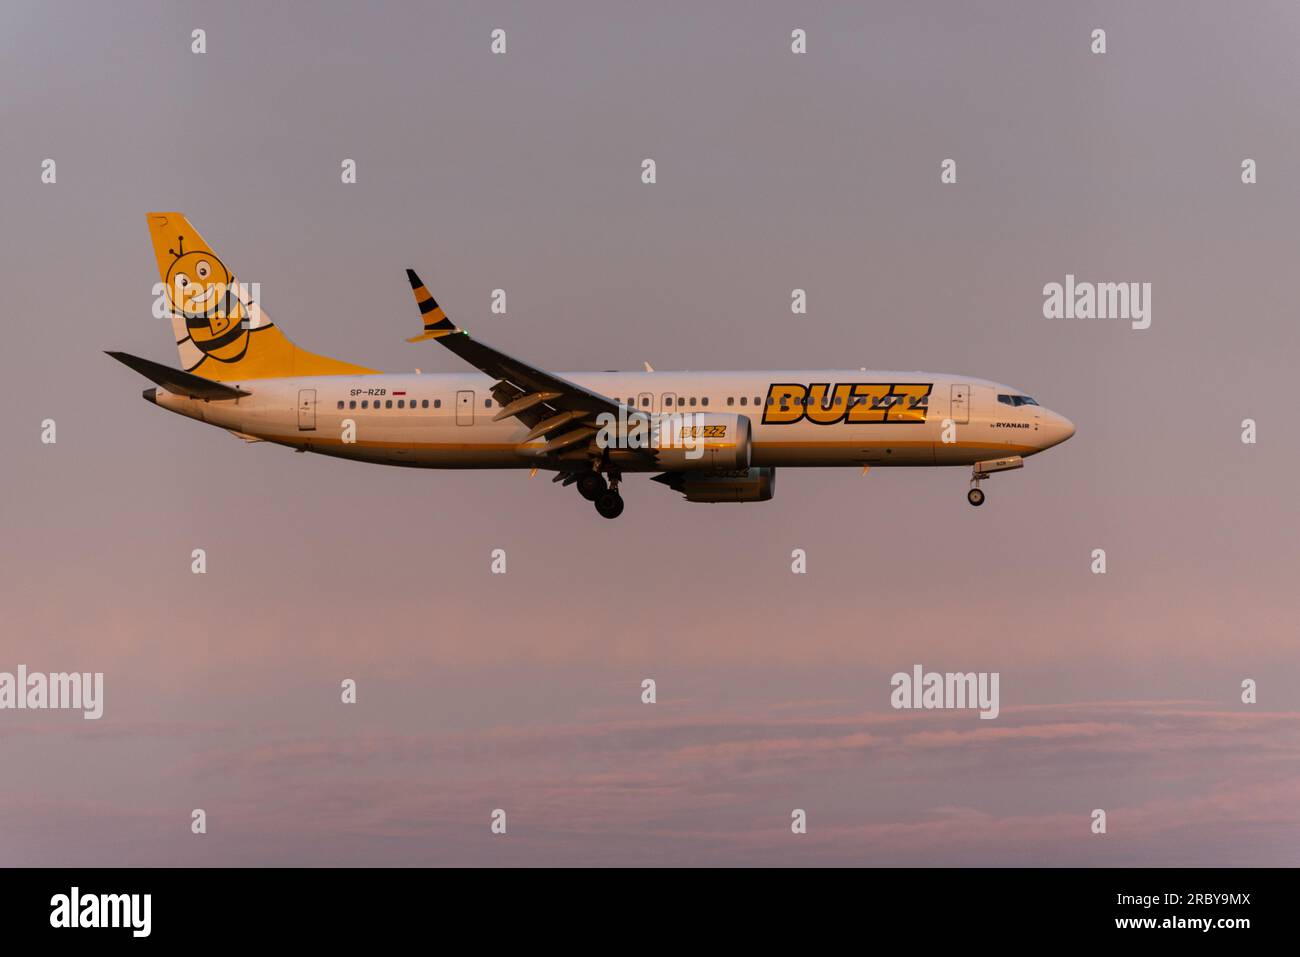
point(465, 408)
point(306, 410)
point(959, 412)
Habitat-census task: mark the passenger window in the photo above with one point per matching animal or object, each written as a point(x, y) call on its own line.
point(388, 404)
point(759, 401)
point(744, 399)
point(401, 403)
point(731, 400)
point(704, 401)
point(692, 400)
point(340, 403)
point(352, 404)
point(487, 403)
point(365, 403)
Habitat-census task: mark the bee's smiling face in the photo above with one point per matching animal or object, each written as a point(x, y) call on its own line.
point(197, 285)
point(197, 282)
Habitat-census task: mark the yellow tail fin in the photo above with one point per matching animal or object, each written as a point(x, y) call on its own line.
point(221, 331)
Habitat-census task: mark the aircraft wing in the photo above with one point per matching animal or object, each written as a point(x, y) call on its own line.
point(562, 412)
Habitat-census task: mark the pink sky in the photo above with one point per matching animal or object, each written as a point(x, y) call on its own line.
point(522, 691)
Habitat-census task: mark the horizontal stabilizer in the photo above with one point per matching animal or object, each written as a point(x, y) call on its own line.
point(178, 382)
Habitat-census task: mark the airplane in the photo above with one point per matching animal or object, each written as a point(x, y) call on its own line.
point(711, 436)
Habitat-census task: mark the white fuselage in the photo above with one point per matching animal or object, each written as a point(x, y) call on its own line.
point(446, 420)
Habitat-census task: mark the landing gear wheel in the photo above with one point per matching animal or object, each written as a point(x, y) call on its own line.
point(975, 497)
point(609, 504)
point(591, 485)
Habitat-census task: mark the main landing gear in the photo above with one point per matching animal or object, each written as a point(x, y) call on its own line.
point(610, 503)
point(975, 496)
point(593, 487)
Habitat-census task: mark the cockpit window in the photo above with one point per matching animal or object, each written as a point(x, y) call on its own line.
point(1016, 400)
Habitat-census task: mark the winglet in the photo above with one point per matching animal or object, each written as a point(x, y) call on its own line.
point(436, 323)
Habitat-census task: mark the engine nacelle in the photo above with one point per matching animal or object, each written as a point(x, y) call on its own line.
point(702, 441)
point(686, 441)
point(739, 485)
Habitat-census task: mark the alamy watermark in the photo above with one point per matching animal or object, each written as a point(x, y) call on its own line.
point(950, 690)
point(56, 691)
point(75, 909)
point(690, 431)
point(1129, 301)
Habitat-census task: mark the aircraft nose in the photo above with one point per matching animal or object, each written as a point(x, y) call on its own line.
point(1059, 428)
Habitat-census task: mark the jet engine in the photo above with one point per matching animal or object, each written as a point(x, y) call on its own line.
point(686, 442)
point(735, 485)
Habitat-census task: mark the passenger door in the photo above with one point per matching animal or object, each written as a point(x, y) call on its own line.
point(465, 407)
point(959, 411)
point(306, 410)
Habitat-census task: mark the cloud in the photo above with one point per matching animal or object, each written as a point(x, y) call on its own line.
point(1181, 782)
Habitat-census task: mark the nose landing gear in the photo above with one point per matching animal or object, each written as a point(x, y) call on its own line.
point(982, 470)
